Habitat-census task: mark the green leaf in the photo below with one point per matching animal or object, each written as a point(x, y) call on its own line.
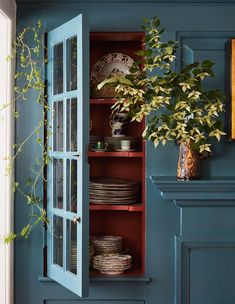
point(169, 50)
point(25, 232)
point(10, 237)
point(207, 63)
point(105, 82)
point(29, 199)
point(124, 80)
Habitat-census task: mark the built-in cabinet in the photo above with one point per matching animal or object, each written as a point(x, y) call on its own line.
point(189, 252)
point(95, 168)
point(126, 219)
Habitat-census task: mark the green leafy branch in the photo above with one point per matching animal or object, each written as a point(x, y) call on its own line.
point(28, 51)
point(176, 104)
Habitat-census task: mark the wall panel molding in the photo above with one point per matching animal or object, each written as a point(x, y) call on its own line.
point(184, 247)
point(201, 41)
point(205, 203)
point(215, 188)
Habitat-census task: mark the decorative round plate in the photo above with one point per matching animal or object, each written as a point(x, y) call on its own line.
point(109, 65)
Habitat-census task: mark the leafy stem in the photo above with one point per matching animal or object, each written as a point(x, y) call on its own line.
point(28, 49)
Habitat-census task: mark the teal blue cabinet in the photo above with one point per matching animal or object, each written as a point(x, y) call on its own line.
point(188, 230)
point(95, 302)
point(120, 212)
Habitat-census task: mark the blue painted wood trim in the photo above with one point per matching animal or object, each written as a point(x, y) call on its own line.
point(101, 280)
point(103, 288)
point(202, 2)
point(215, 188)
point(78, 283)
point(183, 248)
point(205, 203)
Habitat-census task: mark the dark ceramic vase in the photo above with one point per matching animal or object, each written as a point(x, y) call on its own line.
point(188, 163)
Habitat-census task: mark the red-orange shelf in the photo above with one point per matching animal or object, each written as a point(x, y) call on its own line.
point(135, 271)
point(102, 101)
point(115, 154)
point(132, 208)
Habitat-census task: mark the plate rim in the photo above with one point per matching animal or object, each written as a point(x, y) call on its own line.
point(100, 63)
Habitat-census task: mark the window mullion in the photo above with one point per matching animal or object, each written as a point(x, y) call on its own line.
point(64, 217)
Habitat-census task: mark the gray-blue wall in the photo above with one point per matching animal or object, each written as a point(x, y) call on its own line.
point(205, 27)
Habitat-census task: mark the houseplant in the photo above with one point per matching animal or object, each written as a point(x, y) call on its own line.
point(176, 104)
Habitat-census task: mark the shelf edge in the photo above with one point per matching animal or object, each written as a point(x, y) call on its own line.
point(214, 188)
point(140, 280)
point(128, 208)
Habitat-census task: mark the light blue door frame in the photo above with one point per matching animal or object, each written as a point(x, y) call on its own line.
point(62, 218)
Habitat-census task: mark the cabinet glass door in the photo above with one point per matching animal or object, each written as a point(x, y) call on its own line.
point(68, 205)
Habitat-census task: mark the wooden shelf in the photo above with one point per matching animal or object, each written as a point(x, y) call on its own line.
point(102, 101)
point(127, 221)
point(133, 207)
point(115, 154)
point(135, 271)
point(96, 277)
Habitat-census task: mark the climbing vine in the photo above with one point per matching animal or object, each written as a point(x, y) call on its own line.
point(29, 53)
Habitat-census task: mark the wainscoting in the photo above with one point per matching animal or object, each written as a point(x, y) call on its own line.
point(205, 247)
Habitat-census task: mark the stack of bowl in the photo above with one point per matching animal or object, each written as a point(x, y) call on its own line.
point(109, 258)
point(112, 264)
point(107, 244)
point(91, 254)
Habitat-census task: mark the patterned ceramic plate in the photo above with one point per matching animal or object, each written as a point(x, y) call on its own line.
point(110, 65)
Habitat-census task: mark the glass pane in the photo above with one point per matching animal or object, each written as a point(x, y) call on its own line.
point(72, 185)
point(72, 247)
point(58, 69)
point(58, 126)
point(58, 240)
point(72, 124)
point(72, 64)
point(58, 183)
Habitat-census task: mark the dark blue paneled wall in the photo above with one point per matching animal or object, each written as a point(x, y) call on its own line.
point(204, 28)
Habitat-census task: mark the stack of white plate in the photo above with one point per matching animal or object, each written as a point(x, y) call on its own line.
point(107, 244)
point(113, 191)
point(73, 257)
point(112, 264)
point(91, 254)
point(58, 256)
point(73, 265)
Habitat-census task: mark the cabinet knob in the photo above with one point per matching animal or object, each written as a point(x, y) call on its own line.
point(76, 220)
point(76, 155)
